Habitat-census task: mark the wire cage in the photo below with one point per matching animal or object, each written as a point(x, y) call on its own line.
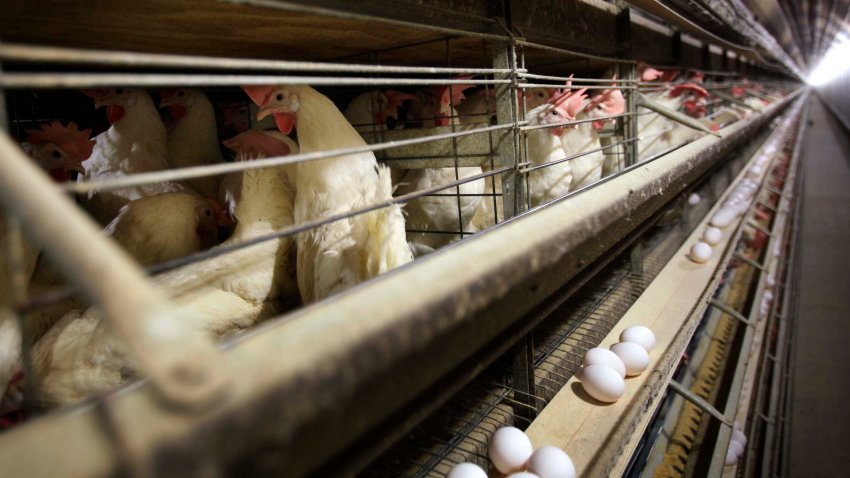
point(516, 264)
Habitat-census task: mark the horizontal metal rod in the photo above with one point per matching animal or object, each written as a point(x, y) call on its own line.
point(76, 56)
point(749, 261)
point(30, 81)
point(568, 158)
point(547, 85)
point(180, 174)
point(570, 123)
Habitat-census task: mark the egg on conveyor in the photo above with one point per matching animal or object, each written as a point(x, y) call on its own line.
point(736, 447)
point(598, 355)
point(634, 357)
point(551, 462)
point(522, 474)
point(639, 334)
point(739, 436)
point(509, 449)
point(467, 470)
point(603, 383)
point(731, 457)
point(694, 199)
point(700, 252)
point(723, 217)
point(712, 236)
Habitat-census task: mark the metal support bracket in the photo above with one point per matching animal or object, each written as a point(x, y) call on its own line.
point(749, 261)
point(730, 311)
point(690, 396)
point(674, 115)
point(752, 223)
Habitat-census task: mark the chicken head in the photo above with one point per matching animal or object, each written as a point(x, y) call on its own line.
point(279, 101)
point(177, 101)
point(60, 149)
point(116, 101)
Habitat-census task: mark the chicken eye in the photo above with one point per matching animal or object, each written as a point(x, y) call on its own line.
point(279, 97)
point(56, 154)
point(208, 213)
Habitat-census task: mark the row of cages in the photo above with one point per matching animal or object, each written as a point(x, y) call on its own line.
point(250, 189)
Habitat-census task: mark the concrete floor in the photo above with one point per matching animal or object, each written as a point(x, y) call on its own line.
point(820, 427)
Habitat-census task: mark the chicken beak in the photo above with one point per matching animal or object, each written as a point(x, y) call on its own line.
point(284, 121)
point(72, 165)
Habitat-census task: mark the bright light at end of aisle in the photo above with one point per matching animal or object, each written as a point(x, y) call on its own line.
point(834, 63)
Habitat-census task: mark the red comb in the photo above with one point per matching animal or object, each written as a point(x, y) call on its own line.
point(453, 93)
point(568, 102)
point(75, 143)
point(650, 74)
point(738, 91)
point(690, 87)
point(259, 93)
point(396, 98)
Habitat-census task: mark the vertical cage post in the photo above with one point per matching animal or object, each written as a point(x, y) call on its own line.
point(513, 184)
point(524, 405)
point(627, 71)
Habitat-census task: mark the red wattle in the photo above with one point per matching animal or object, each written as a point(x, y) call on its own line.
point(60, 175)
point(284, 122)
point(441, 121)
point(114, 113)
point(177, 112)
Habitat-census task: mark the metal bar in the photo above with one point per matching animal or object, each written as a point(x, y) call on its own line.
point(182, 364)
point(39, 81)
point(699, 402)
point(628, 126)
point(749, 261)
point(225, 168)
point(75, 56)
point(730, 311)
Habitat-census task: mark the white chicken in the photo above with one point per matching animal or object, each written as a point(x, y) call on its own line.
point(167, 226)
point(80, 357)
point(546, 145)
point(136, 142)
point(591, 167)
point(369, 111)
point(447, 216)
point(660, 133)
point(345, 252)
point(193, 140)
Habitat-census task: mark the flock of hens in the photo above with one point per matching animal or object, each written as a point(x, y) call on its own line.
point(73, 356)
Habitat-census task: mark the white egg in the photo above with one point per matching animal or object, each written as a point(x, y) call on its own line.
point(467, 470)
point(694, 199)
point(755, 171)
point(722, 218)
point(633, 356)
point(700, 252)
point(598, 355)
point(603, 383)
point(639, 334)
point(522, 474)
point(736, 447)
point(551, 462)
point(739, 436)
point(712, 236)
point(731, 458)
point(509, 449)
